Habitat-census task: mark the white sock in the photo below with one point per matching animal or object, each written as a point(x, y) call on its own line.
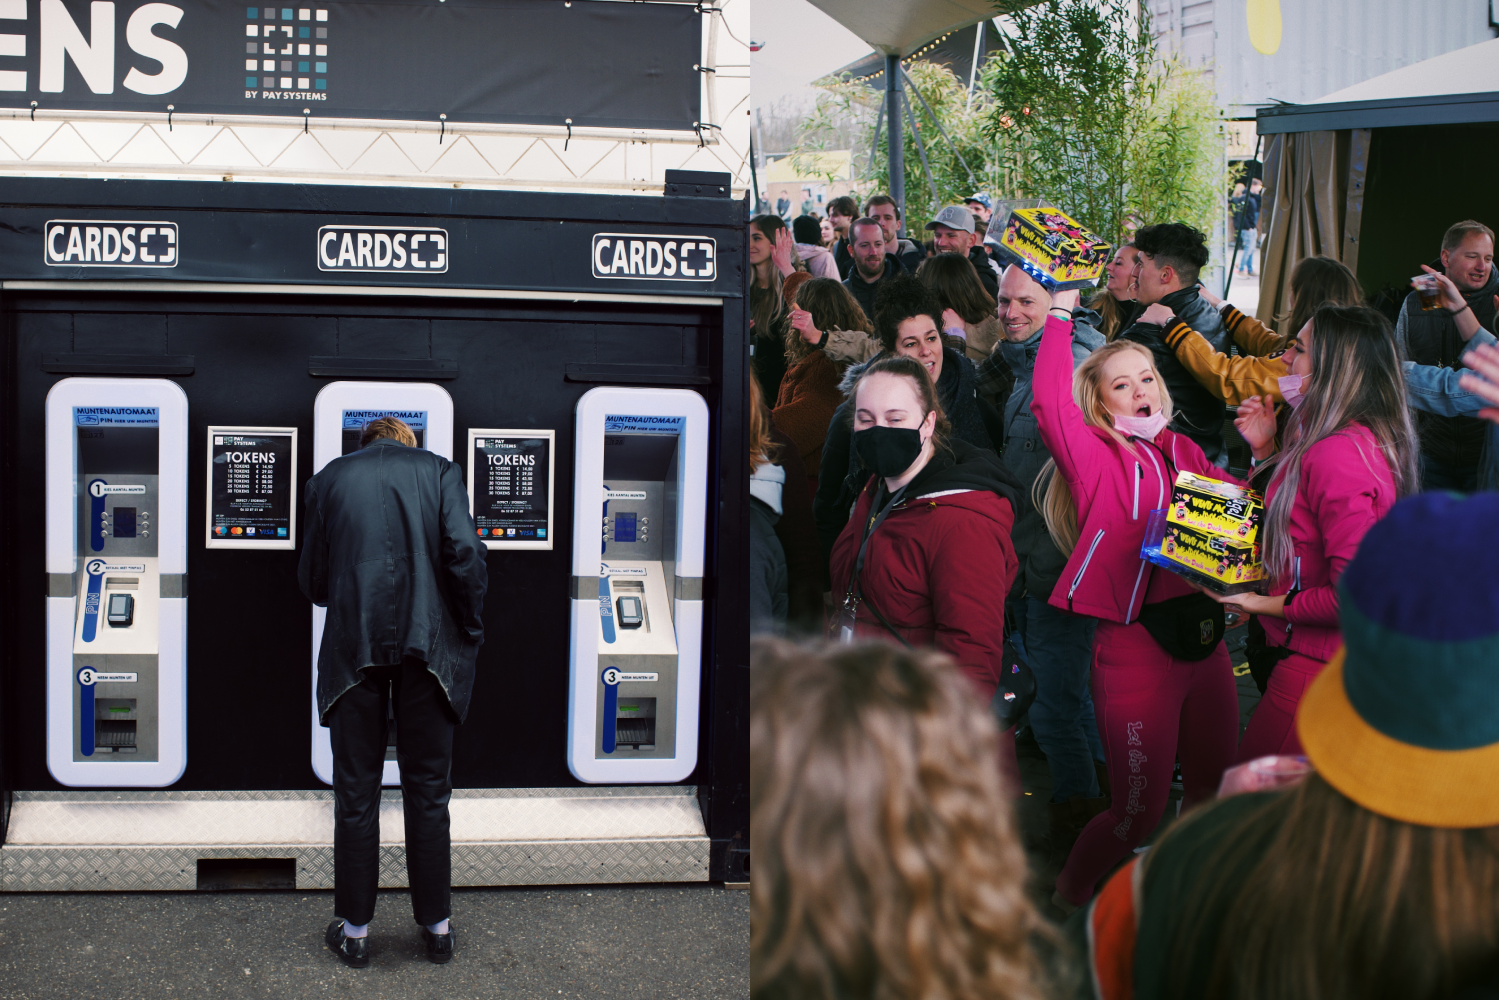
point(441, 927)
point(351, 931)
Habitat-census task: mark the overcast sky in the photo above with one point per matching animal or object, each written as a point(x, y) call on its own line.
point(801, 45)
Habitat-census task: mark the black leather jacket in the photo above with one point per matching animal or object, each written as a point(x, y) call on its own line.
point(1198, 413)
point(390, 549)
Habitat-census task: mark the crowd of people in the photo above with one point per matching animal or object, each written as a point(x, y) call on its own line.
point(981, 455)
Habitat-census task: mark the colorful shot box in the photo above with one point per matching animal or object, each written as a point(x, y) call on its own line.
point(1216, 508)
point(1052, 248)
point(1222, 558)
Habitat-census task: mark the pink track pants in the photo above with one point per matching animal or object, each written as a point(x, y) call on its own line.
point(1150, 706)
point(1272, 728)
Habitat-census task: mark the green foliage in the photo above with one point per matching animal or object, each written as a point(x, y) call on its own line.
point(1083, 112)
point(845, 100)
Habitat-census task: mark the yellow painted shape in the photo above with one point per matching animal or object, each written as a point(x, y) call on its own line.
point(1264, 19)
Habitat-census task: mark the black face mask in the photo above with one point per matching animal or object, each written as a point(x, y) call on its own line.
point(889, 451)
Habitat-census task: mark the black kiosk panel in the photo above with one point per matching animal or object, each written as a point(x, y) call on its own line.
point(250, 361)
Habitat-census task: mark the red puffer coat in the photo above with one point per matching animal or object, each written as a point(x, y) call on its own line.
point(938, 568)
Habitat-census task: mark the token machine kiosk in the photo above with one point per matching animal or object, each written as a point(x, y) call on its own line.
point(160, 425)
point(116, 486)
point(636, 641)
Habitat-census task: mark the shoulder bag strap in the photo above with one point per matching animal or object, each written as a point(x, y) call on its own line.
point(859, 565)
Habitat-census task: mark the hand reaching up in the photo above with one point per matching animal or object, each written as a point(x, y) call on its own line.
point(784, 252)
point(1485, 361)
point(1158, 315)
point(1257, 425)
point(802, 322)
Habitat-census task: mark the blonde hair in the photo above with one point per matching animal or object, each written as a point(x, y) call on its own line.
point(1112, 314)
point(1050, 493)
point(388, 427)
point(763, 447)
point(1311, 896)
point(767, 307)
point(888, 862)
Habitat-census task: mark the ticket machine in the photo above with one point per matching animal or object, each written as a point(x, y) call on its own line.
point(340, 413)
point(640, 487)
point(116, 484)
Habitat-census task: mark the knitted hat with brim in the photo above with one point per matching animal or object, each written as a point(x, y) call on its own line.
point(1405, 718)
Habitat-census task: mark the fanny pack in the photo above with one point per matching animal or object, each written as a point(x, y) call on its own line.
point(1188, 627)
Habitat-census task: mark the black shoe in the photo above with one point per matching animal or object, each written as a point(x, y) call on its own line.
point(439, 946)
point(354, 951)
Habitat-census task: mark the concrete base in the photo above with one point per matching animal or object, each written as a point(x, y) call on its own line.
point(93, 841)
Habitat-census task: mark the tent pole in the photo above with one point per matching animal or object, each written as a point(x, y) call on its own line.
point(974, 70)
point(912, 85)
point(875, 142)
point(916, 133)
point(897, 167)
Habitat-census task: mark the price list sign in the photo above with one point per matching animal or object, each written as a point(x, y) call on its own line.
point(251, 472)
point(510, 487)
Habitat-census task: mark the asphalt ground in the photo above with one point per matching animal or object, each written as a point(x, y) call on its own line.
point(668, 941)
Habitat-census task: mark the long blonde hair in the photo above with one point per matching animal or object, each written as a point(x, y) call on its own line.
point(1050, 493)
point(767, 307)
point(1112, 312)
point(1311, 896)
point(1356, 379)
point(888, 863)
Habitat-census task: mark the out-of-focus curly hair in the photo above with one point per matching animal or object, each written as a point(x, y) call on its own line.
point(887, 863)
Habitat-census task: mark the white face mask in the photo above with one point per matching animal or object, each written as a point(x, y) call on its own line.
point(1290, 387)
point(1145, 428)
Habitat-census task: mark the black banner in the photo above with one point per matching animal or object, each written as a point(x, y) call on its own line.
point(599, 63)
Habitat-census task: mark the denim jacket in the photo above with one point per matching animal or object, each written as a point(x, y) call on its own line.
point(1432, 389)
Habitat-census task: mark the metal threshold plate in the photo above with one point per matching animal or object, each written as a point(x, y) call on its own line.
point(92, 841)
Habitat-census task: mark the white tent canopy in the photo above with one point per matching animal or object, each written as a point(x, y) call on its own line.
point(1470, 70)
point(900, 27)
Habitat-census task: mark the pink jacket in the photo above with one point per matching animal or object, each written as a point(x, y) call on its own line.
point(1114, 489)
point(1345, 486)
point(819, 261)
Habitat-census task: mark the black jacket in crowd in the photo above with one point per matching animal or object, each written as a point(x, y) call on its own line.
point(390, 549)
point(987, 276)
point(864, 291)
point(843, 259)
point(1198, 413)
point(1431, 338)
point(1248, 216)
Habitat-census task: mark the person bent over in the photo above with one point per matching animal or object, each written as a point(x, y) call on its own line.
point(392, 553)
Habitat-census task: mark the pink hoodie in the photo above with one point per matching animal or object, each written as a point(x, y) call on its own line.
point(1345, 486)
point(1114, 489)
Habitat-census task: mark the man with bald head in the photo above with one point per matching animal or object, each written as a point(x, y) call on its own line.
point(1055, 643)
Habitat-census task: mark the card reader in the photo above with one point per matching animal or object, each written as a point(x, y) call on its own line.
point(630, 612)
point(121, 611)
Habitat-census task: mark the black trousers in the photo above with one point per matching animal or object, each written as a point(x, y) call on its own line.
point(424, 748)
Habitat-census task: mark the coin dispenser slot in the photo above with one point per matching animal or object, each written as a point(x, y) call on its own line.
point(635, 652)
point(116, 486)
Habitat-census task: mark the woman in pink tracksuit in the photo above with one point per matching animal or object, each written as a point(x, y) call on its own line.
point(1105, 427)
point(1350, 452)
